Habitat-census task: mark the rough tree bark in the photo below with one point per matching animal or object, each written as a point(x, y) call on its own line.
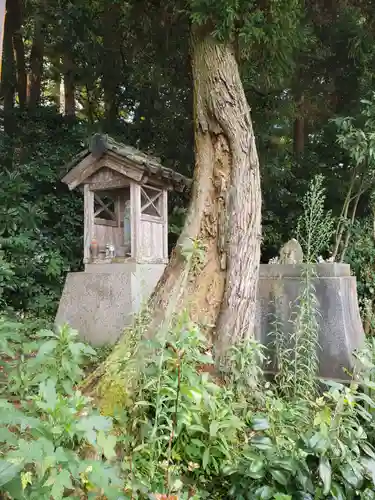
point(69, 86)
point(36, 65)
point(225, 210)
point(8, 81)
point(299, 127)
point(19, 50)
point(111, 61)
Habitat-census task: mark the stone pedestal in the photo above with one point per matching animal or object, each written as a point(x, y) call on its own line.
point(341, 328)
point(101, 301)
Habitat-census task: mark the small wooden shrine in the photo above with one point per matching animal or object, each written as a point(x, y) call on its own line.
point(125, 202)
point(125, 236)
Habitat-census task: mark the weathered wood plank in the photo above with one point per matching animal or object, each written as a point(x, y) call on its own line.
point(107, 178)
point(103, 222)
point(135, 215)
point(109, 234)
point(83, 170)
point(165, 219)
point(88, 223)
point(107, 185)
point(123, 166)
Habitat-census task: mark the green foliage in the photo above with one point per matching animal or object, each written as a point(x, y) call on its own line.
point(53, 443)
point(43, 448)
point(61, 356)
point(179, 421)
point(315, 226)
point(324, 452)
point(357, 136)
point(35, 356)
point(266, 28)
point(186, 428)
point(297, 356)
point(40, 222)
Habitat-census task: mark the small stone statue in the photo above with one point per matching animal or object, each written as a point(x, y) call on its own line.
point(291, 253)
point(109, 251)
point(274, 260)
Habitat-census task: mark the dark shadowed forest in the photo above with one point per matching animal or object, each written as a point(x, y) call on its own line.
point(70, 69)
point(269, 106)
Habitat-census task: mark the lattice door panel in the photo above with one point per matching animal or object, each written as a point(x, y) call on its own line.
point(151, 201)
point(105, 207)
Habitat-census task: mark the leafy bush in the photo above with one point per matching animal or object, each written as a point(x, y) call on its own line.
point(361, 257)
point(40, 220)
point(184, 428)
point(58, 356)
point(52, 442)
point(42, 448)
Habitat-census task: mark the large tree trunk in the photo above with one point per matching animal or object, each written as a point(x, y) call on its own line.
point(299, 128)
point(111, 61)
point(8, 81)
point(36, 65)
point(69, 86)
point(224, 218)
point(19, 50)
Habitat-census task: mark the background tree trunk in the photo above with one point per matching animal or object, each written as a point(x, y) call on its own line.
point(111, 61)
point(225, 211)
point(8, 81)
point(19, 50)
point(69, 86)
point(36, 65)
point(299, 133)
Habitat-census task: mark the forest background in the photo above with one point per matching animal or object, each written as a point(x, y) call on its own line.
point(123, 68)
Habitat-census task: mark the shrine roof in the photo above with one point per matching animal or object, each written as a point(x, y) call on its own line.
point(135, 161)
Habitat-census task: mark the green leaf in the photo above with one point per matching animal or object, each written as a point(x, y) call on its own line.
point(369, 465)
point(351, 476)
point(197, 442)
point(46, 348)
point(45, 333)
point(107, 444)
point(197, 428)
point(261, 442)
point(279, 476)
point(6, 436)
point(337, 492)
point(368, 449)
point(61, 481)
point(8, 471)
point(265, 493)
point(206, 458)
point(97, 422)
point(260, 424)
point(47, 391)
point(257, 465)
point(214, 427)
point(325, 473)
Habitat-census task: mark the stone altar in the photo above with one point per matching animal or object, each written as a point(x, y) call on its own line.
point(341, 330)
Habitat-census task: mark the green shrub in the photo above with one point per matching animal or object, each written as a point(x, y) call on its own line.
point(186, 428)
point(43, 354)
point(42, 448)
point(361, 257)
point(55, 443)
point(40, 220)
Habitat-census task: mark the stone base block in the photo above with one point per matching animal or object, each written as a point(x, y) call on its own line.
point(340, 326)
point(101, 301)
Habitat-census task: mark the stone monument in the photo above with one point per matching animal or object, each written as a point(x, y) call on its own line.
point(341, 330)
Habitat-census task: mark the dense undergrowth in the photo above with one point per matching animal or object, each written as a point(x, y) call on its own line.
point(182, 430)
